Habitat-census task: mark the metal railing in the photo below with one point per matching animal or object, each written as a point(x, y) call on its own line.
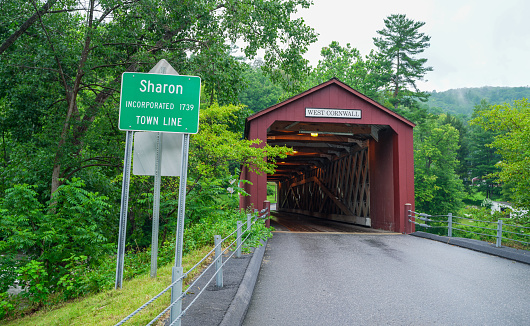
point(500, 230)
point(176, 306)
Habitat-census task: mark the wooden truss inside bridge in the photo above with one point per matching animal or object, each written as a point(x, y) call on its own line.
point(328, 173)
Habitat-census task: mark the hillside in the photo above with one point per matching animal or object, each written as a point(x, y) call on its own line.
point(463, 100)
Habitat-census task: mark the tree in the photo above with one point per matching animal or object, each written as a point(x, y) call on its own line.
point(369, 75)
point(14, 35)
point(482, 158)
point(59, 79)
point(399, 43)
point(512, 142)
point(462, 154)
point(438, 189)
point(259, 91)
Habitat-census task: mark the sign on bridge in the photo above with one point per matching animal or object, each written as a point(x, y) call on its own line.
point(163, 103)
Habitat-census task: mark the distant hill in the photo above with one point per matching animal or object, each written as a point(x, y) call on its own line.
point(463, 100)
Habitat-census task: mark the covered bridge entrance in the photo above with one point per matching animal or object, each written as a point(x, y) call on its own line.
point(352, 162)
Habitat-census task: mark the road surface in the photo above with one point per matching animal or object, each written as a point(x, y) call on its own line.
point(385, 279)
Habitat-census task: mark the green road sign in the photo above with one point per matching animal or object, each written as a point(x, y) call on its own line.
point(163, 103)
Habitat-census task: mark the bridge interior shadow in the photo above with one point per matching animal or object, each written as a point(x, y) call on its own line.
point(292, 222)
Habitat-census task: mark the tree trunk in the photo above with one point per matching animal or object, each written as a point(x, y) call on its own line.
point(26, 25)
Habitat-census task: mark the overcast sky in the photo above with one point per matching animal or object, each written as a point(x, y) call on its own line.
point(474, 43)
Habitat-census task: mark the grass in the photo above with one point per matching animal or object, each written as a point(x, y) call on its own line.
point(271, 188)
point(110, 307)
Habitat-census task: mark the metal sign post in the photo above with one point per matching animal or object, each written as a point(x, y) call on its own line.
point(161, 69)
point(177, 288)
point(156, 205)
point(123, 209)
point(182, 200)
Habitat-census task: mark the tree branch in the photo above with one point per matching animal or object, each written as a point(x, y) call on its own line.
point(11, 39)
point(89, 86)
point(90, 165)
point(28, 67)
point(107, 160)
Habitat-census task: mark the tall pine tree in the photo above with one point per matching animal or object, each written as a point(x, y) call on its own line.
point(400, 42)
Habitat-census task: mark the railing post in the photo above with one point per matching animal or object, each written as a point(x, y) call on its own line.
point(499, 234)
point(450, 225)
point(249, 221)
point(239, 227)
point(219, 261)
point(408, 216)
point(176, 292)
point(267, 205)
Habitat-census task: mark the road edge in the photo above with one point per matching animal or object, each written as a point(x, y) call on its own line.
point(519, 255)
point(239, 306)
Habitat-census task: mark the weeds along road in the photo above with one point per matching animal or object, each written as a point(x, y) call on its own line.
point(383, 279)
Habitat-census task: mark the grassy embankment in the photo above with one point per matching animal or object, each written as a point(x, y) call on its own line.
point(109, 307)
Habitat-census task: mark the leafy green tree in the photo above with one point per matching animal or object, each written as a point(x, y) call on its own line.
point(512, 142)
point(438, 189)
point(462, 154)
point(60, 78)
point(400, 42)
point(482, 158)
point(369, 75)
point(259, 91)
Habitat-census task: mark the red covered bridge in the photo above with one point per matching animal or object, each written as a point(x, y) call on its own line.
point(353, 159)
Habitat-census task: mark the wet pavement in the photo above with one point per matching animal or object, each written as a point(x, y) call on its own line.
point(320, 272)
point(384, 279)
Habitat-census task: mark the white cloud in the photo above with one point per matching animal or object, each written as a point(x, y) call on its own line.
point(473, 43)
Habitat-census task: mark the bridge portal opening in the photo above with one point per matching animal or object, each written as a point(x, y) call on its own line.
point(352, 159)
point(327, 176)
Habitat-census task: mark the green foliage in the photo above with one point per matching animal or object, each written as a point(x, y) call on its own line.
point(6, 305)
point(36, 280)
point(482, 158)
point(216, 146)
point(512, 141)
point(462, 153)
point(399, 43)
point(60, 79)
point(368, 75)
point(79, 279)
point(70, 282)
point(437, 187)
point(259, 92)
point(259, 232)
point(48, 241)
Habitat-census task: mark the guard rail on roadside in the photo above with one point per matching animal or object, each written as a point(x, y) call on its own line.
point(176, 307)
point(467, 226)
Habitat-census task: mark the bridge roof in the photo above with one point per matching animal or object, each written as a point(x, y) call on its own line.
point(317, 89)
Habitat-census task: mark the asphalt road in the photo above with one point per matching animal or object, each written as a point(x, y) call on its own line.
point(384, 279)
